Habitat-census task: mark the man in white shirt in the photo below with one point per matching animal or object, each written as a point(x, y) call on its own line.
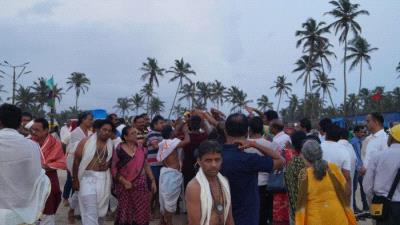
point(280, 137)
point(322, 127)
point(24, 185)
point(65, 132)
point(381, 172)
point(338, 154)
point(377, 140)
point(256, 134)
point(344, 137)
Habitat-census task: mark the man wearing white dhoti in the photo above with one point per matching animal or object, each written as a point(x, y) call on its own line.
point(208, 196)
point(24, 184)
point(171, 179)
point(91, 174)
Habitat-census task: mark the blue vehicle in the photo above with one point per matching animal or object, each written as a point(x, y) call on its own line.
point(350, 121)
point(99, 114)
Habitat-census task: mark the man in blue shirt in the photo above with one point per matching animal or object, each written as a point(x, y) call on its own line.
point(356, 141)
point(242, 169)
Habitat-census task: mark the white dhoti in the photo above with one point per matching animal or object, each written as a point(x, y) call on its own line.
point(94, 196)
point(171, 181)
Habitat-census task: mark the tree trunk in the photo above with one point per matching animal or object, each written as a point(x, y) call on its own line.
point(359, 87)
point(279, 102)
point(76, 101)
point(176, 94)
point(345, 77)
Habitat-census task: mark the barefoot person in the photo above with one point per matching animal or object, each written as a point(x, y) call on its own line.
point(208, 195)
point(130, 172)
point(171, 178)
point(52, 159)
point(91, 174)
point(24, 184)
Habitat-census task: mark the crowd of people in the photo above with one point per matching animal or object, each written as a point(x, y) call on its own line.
point(245, 169)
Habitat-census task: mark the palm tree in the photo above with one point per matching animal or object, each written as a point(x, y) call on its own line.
point(80, 83)
point(151, 71)
point(398, 69)
point(264, 103)
point(41, 91)
point(148, 92)
point(188, 92)
point(322, 52)
point(123, 105)
point(179, 110)
point(57, 93)
point(181, 70)
point(2, 90)
point(137, 102)
point(23, 98)
point(237, 98)
point(359, 52)
point(156, 106)
point(203, 91)
point(311, 36)
point(324, 83)
point(345, 13)
point(306, 65)
point(218, 93)
point(281, 88)
point(293, 106)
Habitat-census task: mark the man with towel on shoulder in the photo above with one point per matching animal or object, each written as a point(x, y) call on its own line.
point(171, 178)
point(91, 174)
point(208, 195)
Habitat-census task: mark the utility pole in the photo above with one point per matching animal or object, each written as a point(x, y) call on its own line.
point(14, 75)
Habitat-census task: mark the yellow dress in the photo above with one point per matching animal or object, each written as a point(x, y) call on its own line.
point(323, 204)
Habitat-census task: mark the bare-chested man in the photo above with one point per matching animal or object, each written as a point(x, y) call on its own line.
point(91, 174)
point(208, 198)
point(171, 178)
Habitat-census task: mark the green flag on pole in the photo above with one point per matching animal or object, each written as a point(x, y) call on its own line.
point(51, 97)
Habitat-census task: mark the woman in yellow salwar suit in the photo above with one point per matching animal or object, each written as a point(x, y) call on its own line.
point(321, 199)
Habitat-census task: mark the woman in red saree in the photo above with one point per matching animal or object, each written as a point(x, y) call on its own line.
point(129, 170)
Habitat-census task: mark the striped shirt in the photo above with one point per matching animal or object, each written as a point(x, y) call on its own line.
point(152, 141)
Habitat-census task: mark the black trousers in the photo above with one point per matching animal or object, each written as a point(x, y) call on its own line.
point(394, 215)
point(358, 181)
point(266, 204)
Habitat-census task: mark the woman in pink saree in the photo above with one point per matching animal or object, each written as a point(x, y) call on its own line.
point(130, 172)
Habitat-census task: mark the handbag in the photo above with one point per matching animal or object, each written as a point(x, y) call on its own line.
point(380, 207)
point(276, 179)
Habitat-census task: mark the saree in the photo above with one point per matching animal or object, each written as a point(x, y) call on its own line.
point(323, 201)
point(133, 204)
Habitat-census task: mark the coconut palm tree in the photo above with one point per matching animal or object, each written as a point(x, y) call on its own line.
point(264, 103)
point(2, 90)
point(307, 66)
point(151, 71)
point(80, 83)
point(293, 106)
point(311, 36)
point(218, 93)
point(324, 83)
point(188, 92)
point(282, 88)
point(237, 98)
point(23, 98)
point(41, 91)
point(137, 102)
point(181, 72)
point(57, 93)
point(398, 69)
point(156, 106)
point(148, 92)
point(179, 110)
point(345, 14)
point(124, 105)
point(322, 52)
point(203, 91)
point(359, 50)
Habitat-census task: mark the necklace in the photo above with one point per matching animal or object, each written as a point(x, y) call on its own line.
point(218, 205)
point(101, 155)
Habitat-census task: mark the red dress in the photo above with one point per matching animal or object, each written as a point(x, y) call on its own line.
point(280, 209)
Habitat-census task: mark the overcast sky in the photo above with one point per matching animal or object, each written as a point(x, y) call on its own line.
point(243, 43)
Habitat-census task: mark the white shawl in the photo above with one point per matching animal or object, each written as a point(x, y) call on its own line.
point(77, 135)
point(24, 184)
point(206, 198)
point(88, 153)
